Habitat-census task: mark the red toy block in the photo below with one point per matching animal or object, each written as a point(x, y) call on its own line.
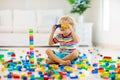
point(107, 57)
point(101, 70)
point(51, 72)
point(13, 55)
point(62, 73)
point(7, 61)
point(0, 77)
point(46, 77)
point(17, 76)
point(36, 50)
point(29, 73)
point(28, 52)
point(118, 66)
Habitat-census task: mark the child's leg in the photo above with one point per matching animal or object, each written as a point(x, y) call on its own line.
point(71, 56)
point(55, 58)
point(49, 61)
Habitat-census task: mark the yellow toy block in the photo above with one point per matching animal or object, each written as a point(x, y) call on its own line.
point(82, 76)
point(55, 67)
point(2, 69)
point(64, 26)
point(23, 74)
point(118, 75)
point(32, 60)
point(90, 68)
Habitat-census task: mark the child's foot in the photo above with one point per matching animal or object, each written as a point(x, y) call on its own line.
point(49, 61)
point(67, 62)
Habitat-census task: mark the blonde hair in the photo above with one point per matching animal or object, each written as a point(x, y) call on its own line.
point(67, 20)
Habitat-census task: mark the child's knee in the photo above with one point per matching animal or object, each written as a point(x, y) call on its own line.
point(75, 54)
point(48, 51)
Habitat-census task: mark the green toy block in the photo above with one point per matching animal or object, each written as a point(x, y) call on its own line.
point(47, 71)
point(21, 57)
point(50, 67)
point(40, 59)
point(84, 68)
point(30, 30)
point(97, 50)
point(1, 56)
point(33, 65)
point(5, 76)
point(54, 71)
point(111, 75)
point(6, 65)
point(31, 43)
point(2, 60)
point(39, 78)
point(19, 62)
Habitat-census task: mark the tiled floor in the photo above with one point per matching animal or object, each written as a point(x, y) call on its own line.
point(84, 50)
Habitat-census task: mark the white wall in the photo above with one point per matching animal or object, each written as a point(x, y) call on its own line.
point(101, 37)
point(115, 21)
point(93, 15)
point(110, 37)
point(35, 4)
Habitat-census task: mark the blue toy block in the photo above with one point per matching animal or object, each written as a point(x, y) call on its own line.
point(58, 25)
point(40, 73)
point(113, 78)
point(113, 75)
point(46, 65)
point(61, 67)
point(112, 66)
point(80, 73)
point(49, 75)
point(84, 54)
point(24, 78)
point(95, 71)
point(74, 77)
point(87, 63)
point(31, 39)
point(32, 77)
point(107, 63)
point(68, 73)
point(19, 68)
point(32, 69)
point(95, 65)
point(91, 52)
point(32, 53)
point(10, 53)
point(80, 57)
point(9, 76)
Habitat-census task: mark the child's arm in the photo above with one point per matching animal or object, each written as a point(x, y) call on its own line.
point(51, 36)
point(74, 35)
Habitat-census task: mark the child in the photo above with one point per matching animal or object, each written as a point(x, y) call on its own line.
point(67, 40)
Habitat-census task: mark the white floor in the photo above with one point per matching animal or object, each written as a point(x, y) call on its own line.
point(105, 52)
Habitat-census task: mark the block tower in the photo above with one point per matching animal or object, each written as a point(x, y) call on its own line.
point(31, 43)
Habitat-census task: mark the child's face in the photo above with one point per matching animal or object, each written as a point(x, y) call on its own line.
point(65, 30)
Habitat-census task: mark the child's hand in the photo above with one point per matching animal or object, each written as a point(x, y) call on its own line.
point(54, 28)
point(71, 28)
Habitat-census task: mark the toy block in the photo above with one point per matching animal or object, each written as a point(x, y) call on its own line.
point(61, 26)
point(73, 76)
